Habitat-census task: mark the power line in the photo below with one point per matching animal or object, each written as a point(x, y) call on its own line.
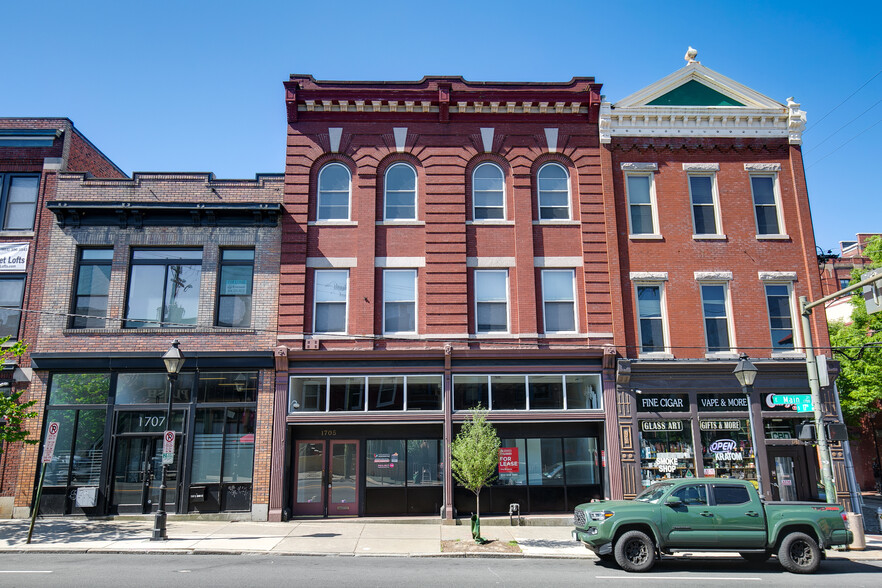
point(824, 140)
point(843, 102)
point(844, 144)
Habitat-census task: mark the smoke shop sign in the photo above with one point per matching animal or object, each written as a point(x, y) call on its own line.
point(722, 402)
point(653, 426)
point(662, 403)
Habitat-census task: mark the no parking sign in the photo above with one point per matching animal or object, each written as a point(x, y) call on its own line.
point(51, 438)
point(168, 448)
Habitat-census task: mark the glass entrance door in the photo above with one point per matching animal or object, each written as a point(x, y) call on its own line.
point(788, 469)
point(326, 478)
point(137, 475)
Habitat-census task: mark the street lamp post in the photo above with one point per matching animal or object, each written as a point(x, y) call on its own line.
point(174, 361)
point(745, 372)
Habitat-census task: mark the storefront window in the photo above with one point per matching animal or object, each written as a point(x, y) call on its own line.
point(583, 392)
point(151, 388)
point(509, 392)
point(582, 461)
point(665, 450)
point(346, 394)
point(307, 394)
point(781, 428)
point(386, 393)
point(79, 389)
point(385, 463)
point(58, 469)
point(545, 462)
point(470, 391)
point(423, 392)
point(423, 462)
point(516, 471)
point(227, 387)
point(726, 449)
point(546, 392)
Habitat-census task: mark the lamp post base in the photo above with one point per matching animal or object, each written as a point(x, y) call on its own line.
point(159, 533)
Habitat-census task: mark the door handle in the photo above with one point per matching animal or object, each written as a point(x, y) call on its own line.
point(752, 514)
point(706, 514)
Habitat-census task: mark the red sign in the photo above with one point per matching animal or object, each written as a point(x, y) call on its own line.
point(51, 438)
point(508, 460)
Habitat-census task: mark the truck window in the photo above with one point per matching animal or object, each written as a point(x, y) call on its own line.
point(692, 495)
point(731, 494)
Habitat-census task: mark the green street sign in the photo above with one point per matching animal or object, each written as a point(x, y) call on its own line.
point(791, 399)
point(808, 407)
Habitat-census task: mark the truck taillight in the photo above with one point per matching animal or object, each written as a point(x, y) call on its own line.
point(844, 516)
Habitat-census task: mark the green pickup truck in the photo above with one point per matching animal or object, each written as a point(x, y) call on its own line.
point(709, 514)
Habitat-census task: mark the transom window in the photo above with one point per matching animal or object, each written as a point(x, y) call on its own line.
point(93, 284)
point(164, 288)
point(559, 300)
point(765, 203)
point(400, 198)
point(234, 288)
point(331, 296)
point(651, 318)
point(364, 393)
point(18, 200)
point(715, 306)
point(488, 192)
point(527, 392)
point(702, 189)
point(641, 203)
point(399, 301)
point(554, 192)
point(333, 192)
point(780, 316)
point(491, 300)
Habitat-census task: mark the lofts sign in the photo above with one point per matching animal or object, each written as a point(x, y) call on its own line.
point(13, 257)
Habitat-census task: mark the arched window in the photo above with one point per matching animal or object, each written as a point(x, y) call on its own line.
point(488, 192)
point(333, 192)
point(554, 192)
point(400, 197)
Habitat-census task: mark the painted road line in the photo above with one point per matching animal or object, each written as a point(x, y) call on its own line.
point(25, 571)
point(680, 578)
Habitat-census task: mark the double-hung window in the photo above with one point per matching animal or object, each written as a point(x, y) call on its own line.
point(11, 299)
point(488, 192)
point(399, 301)
point(702, 190)
point(491, 301)
point(93, 284)
point(778, 299)
point(650, 312)
point(164, 288)
point(18, 200)
point(234, 288)
point(715, 308)
point(331, 295)
point(334, 184)
point(766, 204)
point(559, 300)
point(554, 192)
point(400, 197)
point(641, 203)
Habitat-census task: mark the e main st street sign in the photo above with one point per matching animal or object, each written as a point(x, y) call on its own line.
point(802, 402)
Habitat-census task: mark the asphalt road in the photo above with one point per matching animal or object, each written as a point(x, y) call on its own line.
point(116, 570)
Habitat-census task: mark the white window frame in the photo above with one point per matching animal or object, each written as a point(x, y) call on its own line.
point(321, 192)
point(366, 391)
point(545, 301)
point(416, 297)
point(504, 205)
point(795, 322)
point(315, 301)
point(715, 204)
point(539, 192)
point(731, 351)
point(386, 192)
point(666, 347)
point(478, 300)
point(782, 231)
point(653, 204)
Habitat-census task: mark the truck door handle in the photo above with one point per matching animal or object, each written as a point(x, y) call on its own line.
point(750, 513)
point(706, 514)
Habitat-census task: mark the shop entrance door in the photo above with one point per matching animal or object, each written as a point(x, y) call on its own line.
point(326, 478)
point(788, 469)
point(137, 475)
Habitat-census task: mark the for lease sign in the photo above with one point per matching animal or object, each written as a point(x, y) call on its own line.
point(508, 460)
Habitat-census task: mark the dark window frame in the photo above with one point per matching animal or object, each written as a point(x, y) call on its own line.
point(15, 309)
point(222, 263)
point(75, 296)
point(5, 184)
point(143, 323)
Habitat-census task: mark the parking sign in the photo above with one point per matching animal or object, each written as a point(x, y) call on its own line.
point(51, 438)
point(168, 447)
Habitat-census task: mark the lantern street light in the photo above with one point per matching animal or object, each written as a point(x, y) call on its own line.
point(174, 361)
point(745, 372)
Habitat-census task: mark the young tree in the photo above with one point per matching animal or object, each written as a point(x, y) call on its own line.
point(475, 456)
point(13, 412)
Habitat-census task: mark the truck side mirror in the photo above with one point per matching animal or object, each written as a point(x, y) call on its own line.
point(673, 502)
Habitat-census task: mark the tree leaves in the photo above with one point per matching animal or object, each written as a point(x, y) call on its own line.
point(475, 452)
point(12, 409)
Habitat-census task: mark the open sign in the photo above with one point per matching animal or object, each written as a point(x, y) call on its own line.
point(722, 446)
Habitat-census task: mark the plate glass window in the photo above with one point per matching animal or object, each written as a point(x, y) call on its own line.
point(491, 300)
point(93, 284)
point(640, 204)
point(19, 197)
point(11, 297)
point(554, 192)
point(235, 288)
point(333, 193)
point(331, 292)
point(400, 196)
point(766, 205)
point(488, 192)
point(704, 217)
point(780, 317)
point(399, 301)
point(649, 308)
point(716, 317)
point(164, 288)
point(559, 301)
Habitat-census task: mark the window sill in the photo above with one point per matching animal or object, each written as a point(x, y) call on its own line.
point(493, 335)
point(332, 223)
point(646, 237)
point(137, 331)
point(563, 221)
point(564, 335)
point(722, 355)
point(655, 355)
point(491, 222)
point(19, 233)
point(781, 237)
point(788, 355)
point(709, 237)
point(401, 223)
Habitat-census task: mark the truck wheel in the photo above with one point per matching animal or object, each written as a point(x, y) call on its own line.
point(799, 554)
point(755, 557)
point(635, 552)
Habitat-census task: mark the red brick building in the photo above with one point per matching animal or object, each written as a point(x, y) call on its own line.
point(32, 153)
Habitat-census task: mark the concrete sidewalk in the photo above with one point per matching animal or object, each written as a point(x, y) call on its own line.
point(351, 537)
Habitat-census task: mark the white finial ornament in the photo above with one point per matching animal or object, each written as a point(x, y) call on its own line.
point(690, 56)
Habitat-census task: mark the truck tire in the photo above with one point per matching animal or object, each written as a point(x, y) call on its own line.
point(635, 552)
point(755, 556)
point(799, 554)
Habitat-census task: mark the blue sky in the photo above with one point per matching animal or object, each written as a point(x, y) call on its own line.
point(197, 86)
